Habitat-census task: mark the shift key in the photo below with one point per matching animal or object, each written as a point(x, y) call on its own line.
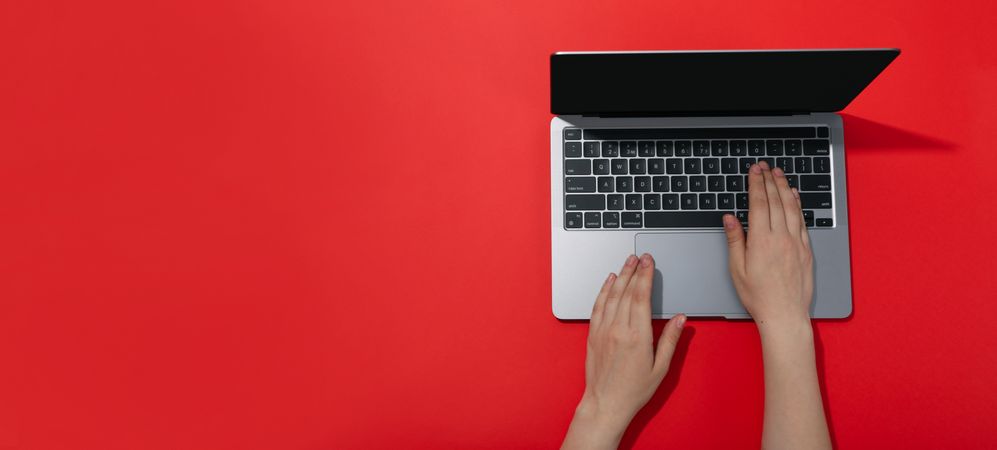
point(585, 202)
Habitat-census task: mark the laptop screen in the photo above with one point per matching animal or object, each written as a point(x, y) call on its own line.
point(711, 82)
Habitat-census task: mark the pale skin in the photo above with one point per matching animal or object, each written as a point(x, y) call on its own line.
point(772, 270)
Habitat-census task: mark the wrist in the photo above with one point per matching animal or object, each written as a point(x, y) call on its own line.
point(600, 423)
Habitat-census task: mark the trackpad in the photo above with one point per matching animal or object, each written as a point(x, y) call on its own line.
point(691, 275)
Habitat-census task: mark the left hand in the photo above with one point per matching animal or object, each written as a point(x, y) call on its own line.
point(622, 367)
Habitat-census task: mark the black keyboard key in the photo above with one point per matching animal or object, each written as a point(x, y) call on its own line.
point(624, 184)
point(659, 184)
point(573, 220)
point(683, 148)
point(745, 164)
point(655, 166)
point(826, 222)
point(725, 201)
point(680, 184)
point(756, 148)
point(615, 202)
point(808, 217)
point(822, 164)
point(600, 167)
point(742, 216)
point(632, 220)
point(697, 183)
point(579, 184)
point(738, 148)
point(669, 201)
point(606, 184)
point(638, 166)
point(741, 200)
point(628, 149)
point(645, 149)
point(715, 183)
point(802, 164)
point(578, 167)
point(572, 149)
point(773, 147)
point(591, 149)
point(690, 201)
point(584, 202)
point(673, 166)
point(610, 149)
point(664, 148)
point(634, 202)
point(572, 134)
point(815, 200)
point(735, 183)
point(642, 184)
point(652, 201)
point(610, 220)
point(701, 148)
point(823, 132)
point(711, 165)
point(786, 164)
point(696, 219)
point(707, 201)
point(693, 165)
point(819, 147)
point(794, 147)
point(593, 220)
point(728, 165)
point(793, 180)
point(718, 148)
point(815, 183)
point(619, 167)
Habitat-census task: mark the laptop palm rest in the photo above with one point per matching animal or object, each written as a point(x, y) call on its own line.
point(691, 275)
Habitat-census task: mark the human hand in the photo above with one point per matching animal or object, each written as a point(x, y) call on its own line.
point(772, 268)
point(622, 367)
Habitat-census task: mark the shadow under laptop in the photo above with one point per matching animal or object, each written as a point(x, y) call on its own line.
point(864, 134)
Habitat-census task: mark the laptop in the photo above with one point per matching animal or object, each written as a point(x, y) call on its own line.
point(650, 149)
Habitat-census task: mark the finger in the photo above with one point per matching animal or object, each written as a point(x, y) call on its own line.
point(735, 244)
point(616, 292)
point(600, 302)
point(758, 208)
point(777, 218)
point(637, 297)
point(804, 234)
point(666, 345)
point(790, 205)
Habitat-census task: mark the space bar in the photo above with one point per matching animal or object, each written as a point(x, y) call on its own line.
point(692, 219)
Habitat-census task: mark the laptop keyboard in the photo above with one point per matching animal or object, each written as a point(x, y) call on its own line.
point(687, 177)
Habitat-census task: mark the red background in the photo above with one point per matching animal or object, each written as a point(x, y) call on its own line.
point(304, 224)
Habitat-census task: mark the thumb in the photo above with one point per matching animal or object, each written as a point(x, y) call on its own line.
point(666, 344)
point(735, 242)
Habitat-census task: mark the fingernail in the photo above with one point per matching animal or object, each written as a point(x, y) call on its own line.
point(609, 279)
point(764, 165)
point(681, 321)
point(645, 260)
point(755, 168)
point(796, 192)
point(777, 172)
point(631, 260)
point(728, 221)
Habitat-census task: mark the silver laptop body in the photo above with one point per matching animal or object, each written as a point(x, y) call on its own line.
point(691, 262)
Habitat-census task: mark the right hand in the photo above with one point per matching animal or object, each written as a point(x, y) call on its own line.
point(772, 269)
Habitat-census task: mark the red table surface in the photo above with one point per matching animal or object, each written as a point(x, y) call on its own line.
point(303, 224)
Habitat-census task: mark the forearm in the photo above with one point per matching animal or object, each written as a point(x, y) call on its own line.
point(591, 430)
point(794, 414)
